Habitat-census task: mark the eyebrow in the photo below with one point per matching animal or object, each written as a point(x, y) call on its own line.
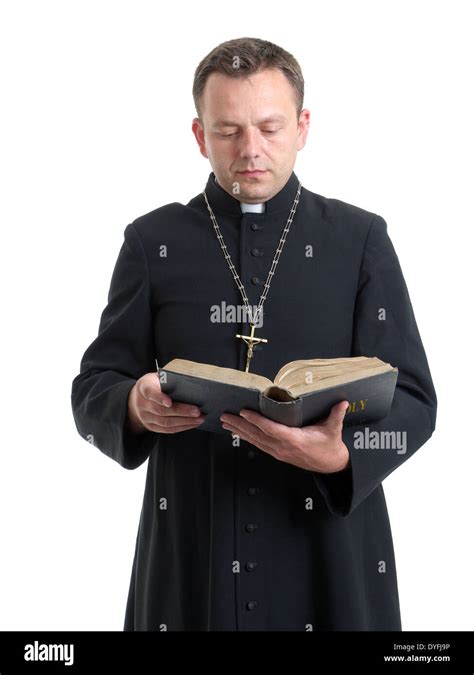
point(230, 123)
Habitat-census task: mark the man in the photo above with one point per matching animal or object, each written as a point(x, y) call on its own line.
point(263, 526)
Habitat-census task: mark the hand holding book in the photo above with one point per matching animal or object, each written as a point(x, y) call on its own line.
point(318, 447)
point(149, 409)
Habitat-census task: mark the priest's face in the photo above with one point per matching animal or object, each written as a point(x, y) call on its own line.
point(250, 132)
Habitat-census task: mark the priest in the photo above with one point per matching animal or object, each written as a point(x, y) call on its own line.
point(260, 527)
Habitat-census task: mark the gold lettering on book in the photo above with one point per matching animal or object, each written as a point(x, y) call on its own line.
point(357, 406)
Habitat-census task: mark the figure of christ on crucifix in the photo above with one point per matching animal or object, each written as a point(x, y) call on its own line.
point(250, 340)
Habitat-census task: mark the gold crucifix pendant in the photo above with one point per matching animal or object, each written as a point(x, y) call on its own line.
point(250, 341)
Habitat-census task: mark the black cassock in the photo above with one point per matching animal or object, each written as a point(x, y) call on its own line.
point(230, 538)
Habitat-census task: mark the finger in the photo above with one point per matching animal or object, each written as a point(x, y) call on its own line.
point(150, 389)
point(171, 430)
point(176, 410)
point(278, 431)
point(167, 421)
point(256, 442)
point(250, 431)
point(336, 417)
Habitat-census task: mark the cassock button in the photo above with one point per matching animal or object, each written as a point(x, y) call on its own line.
point(256, 252)
point(251, 527)
point(252, 604)
point(250, 566)
point(257, 281)
point(252, 491)
point(256, 226)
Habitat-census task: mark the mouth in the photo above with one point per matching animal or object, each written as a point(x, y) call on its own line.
point(252, 173)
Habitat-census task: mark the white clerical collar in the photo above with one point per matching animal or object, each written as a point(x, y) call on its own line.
point(252, 208)
point(248, 208)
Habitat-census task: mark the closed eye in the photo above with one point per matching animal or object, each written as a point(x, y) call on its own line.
point(265, 131)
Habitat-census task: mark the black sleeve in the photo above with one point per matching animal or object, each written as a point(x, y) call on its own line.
point(397, 341)
point(121, 354)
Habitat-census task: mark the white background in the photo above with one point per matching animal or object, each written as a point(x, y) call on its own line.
point(96, 131)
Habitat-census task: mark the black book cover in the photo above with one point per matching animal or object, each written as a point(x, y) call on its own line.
point(370, 399)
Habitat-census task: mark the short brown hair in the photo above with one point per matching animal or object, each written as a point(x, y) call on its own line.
point(242, 57)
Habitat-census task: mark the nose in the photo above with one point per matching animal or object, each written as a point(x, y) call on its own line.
point(249, 143)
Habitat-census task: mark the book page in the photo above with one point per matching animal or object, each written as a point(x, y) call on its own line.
point(207, 371)
point(304, 388)
point(312, 374)
point(337, 364)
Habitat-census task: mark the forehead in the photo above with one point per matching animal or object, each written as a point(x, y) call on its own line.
point(268, 91)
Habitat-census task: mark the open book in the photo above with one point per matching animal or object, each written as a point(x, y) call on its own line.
point(302, 392)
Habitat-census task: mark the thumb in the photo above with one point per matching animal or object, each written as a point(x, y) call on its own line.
point(336, 416)
point(151, 390)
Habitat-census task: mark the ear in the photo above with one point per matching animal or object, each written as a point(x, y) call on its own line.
point(303, 128)
point(198, 131)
